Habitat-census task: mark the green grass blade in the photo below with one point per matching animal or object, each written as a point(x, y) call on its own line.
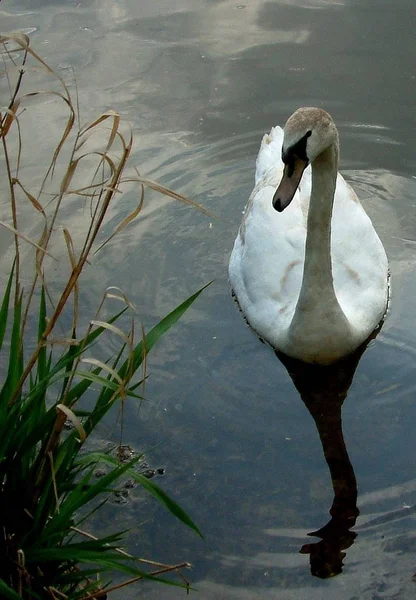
point(58, 554)
point(106, 558)
point(82, 494)
point(158, 331)
point(7, 593)
point(58, 371)
point(15, 354)
point(42, 360)
point(152, 488)
point(109, 384)
point(170, 504)
point(132, 365)
point(5, 307)
point(68, 368)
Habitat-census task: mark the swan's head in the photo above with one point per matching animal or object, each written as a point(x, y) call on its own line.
point(307, 133)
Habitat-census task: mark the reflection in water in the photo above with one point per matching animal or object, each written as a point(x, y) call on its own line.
point(323, 391)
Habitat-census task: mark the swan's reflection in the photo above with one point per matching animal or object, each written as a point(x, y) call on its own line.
point(323, 391)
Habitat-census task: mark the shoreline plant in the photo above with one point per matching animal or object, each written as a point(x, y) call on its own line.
point(47, 362)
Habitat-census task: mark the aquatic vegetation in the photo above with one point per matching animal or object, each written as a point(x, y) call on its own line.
point(56, 386)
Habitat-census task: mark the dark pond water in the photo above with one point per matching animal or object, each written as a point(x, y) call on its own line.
point(200, 82)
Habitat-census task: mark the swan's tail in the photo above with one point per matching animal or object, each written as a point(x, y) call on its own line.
point(270, 152)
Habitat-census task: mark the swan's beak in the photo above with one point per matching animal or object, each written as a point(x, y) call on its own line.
point(292, 175)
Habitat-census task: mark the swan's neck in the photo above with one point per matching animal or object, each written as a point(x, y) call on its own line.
point(318, 266)
point(317, 311)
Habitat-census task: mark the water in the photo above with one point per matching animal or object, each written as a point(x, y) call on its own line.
point(200, 82)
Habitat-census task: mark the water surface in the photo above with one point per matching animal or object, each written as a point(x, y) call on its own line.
point(200, 82)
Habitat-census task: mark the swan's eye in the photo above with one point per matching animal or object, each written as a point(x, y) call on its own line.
point(288, 159)
point(297, 150)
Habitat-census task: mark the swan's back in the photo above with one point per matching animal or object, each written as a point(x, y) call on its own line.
point(270, 153)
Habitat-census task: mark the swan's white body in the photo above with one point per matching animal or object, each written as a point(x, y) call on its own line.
point(316, 303)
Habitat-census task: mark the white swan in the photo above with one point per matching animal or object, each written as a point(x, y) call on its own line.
point(308, 269)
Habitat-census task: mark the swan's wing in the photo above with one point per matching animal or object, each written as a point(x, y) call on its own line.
point(266, 264)
point(359, 261)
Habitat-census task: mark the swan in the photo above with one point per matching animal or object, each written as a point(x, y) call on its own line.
point(308, 269)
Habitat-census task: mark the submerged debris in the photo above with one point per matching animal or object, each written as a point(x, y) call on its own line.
point(125, 453)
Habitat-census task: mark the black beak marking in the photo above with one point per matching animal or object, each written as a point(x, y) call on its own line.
point(299, 150)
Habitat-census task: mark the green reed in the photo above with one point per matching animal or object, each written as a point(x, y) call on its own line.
point(47, 483)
